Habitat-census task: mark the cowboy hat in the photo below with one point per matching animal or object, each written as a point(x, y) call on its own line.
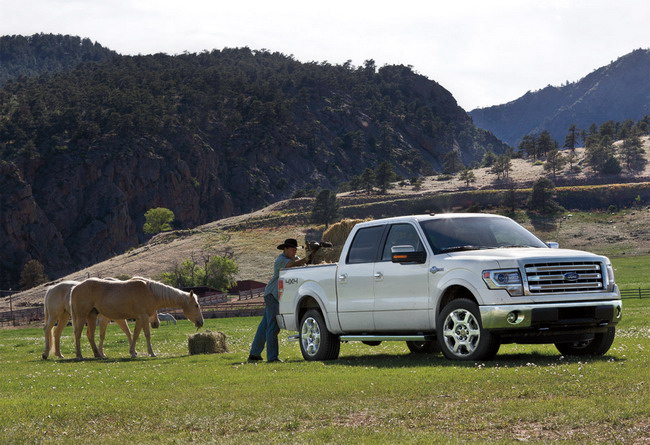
point(289, 242)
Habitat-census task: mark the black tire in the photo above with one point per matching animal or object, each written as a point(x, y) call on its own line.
point(316, 342)
point(599, 345)
point(461, 335)
point(423, 347)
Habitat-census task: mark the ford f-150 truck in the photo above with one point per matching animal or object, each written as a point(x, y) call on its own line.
point(462, 284)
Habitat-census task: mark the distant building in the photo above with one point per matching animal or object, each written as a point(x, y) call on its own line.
point(202, 291)
point(245, 285)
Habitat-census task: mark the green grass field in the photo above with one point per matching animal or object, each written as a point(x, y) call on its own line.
point(376, 394)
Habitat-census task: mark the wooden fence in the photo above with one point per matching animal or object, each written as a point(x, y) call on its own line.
point(248, 303)
point(635, 293)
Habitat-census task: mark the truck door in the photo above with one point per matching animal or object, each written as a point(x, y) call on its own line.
point(355, 280)
point(402, 298)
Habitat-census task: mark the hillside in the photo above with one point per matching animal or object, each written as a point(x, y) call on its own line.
point(251, 238)
point(84, 153)
point(616, 92)
point(32, 56)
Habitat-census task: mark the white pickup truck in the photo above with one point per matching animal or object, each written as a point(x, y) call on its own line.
point(462, 284)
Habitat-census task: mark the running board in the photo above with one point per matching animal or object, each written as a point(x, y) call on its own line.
point(296, 337)
point(387, 337)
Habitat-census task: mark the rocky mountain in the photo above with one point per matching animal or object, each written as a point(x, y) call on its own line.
point(85, 152)
point(616, 92)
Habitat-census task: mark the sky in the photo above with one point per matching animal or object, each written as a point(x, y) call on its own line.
point(485, 52)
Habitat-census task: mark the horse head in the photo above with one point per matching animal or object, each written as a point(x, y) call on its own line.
point(192, 310)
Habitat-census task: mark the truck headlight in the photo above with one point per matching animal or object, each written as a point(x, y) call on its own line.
point(610, 277)
point(505, 279)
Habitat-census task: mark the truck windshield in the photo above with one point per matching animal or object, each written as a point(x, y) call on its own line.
point(472, 233)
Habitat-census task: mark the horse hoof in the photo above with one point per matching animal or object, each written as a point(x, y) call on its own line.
point(44, 356)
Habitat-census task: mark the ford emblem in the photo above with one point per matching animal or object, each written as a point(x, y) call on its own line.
point(571, 276)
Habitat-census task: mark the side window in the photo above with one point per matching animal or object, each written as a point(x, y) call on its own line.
point(401, 235)
point(364, 246)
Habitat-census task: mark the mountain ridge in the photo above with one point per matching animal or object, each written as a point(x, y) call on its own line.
point(619, 91)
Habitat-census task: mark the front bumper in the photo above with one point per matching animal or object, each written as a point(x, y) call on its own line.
point(551, 315)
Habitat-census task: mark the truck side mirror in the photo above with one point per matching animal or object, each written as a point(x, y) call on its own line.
point(553, 245)
point(407, 254)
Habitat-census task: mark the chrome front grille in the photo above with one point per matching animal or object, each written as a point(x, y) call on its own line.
point(582, 276)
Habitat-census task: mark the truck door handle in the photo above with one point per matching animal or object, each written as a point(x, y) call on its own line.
point(343, 277)
point(379, 275)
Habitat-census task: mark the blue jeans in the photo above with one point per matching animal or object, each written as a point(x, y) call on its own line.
point(267, 331)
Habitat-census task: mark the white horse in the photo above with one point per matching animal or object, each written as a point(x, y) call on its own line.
point(137, 298)
point(163, 316)
point(56, 306)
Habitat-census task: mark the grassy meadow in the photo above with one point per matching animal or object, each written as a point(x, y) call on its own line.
point(378, 394)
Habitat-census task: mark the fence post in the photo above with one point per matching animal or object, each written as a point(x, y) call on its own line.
point(639, 293)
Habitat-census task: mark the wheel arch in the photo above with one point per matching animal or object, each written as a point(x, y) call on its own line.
point(306, 303)
point(454, 292)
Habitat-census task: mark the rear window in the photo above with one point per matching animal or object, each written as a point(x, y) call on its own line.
point(364, 245)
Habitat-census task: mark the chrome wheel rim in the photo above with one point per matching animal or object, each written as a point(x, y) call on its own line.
point(310, 336)
point(461, 332)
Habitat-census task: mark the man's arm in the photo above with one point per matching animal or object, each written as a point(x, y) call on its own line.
point(298, 262)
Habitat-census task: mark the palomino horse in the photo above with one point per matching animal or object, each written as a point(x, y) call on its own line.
point(137, 298)
point(57, 310)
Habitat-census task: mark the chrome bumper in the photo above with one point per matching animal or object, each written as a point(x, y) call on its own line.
point(518, 316)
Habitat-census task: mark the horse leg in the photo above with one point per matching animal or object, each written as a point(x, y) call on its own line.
point(78, 326)
point(90, 333)
point(47, 330)
point(103, 322)
point(136, 334)
point(147, 335)
point(125, 328)
point(62, 322)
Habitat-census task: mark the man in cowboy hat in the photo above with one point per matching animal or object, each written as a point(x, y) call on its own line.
point(267, 331)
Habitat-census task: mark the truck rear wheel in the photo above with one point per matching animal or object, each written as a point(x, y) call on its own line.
point(316, 342)
point(599, 345)
point(460, 334)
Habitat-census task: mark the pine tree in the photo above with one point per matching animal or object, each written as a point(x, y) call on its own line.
point(467, 176)
point(541, 197)
point(326, 209)
point(384, 175)
point(571, 139)
point(32, 275)
point(555, 161)
point(545, 143)
point(368, 180)
point(633, 154)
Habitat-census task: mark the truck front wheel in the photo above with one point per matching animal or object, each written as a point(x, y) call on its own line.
point(599, 345)
point(316, 342)
point(460, 334)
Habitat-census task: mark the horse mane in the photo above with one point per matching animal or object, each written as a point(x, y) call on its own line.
point(166, 293)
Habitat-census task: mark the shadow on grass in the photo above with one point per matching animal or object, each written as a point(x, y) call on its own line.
point(438, 360)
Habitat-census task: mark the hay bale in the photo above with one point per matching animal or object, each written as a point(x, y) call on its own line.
point(335, 234)
point(207, 342)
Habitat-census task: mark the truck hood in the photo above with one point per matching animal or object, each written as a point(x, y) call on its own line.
point(529, 254)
